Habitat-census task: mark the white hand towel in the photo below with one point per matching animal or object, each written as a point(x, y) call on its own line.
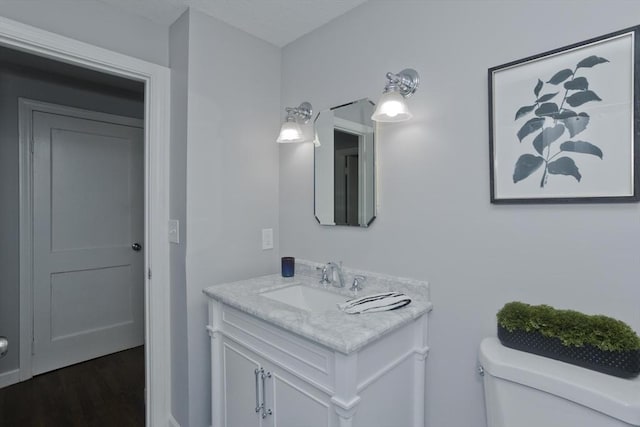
point(377, 302)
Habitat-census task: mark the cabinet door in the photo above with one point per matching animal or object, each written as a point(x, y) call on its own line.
point(293, 402)
point(240, 386)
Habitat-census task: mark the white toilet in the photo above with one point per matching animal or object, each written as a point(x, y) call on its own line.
point(525, 390)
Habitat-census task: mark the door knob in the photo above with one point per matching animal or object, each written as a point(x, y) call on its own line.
point(136, 247)
point(4, 346)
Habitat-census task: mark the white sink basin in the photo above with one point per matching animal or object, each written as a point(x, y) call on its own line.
point(306, 298)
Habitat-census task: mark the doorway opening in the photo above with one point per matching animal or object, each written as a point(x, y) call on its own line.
point(83, 175)
point(346, 180)
point(155, 81)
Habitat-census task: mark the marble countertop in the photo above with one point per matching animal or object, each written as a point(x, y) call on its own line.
point(334, 329)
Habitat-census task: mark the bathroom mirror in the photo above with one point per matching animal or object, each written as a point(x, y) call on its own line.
point(344, 165)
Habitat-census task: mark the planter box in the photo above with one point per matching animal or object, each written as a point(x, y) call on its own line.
point(624, 364)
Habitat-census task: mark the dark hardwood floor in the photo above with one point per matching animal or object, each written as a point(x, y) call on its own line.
point(107, 391)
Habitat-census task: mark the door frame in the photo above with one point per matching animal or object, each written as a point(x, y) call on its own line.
point(26, 108)
point(156, 79)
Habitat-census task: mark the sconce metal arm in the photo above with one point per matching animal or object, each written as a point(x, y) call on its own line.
point(303, 112)
point(406, 82)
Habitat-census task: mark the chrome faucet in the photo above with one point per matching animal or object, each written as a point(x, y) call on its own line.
point(336, 268)
point(324, 278)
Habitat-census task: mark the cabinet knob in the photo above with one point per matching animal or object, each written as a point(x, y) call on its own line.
point(4, 346)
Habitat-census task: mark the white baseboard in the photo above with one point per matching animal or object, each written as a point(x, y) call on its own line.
point(173, 422)
point(9, 378)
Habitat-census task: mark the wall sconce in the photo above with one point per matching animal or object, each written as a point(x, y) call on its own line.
point(392, 106)
point(290, 130)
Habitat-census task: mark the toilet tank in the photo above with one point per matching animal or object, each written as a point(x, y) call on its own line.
point(525, 390)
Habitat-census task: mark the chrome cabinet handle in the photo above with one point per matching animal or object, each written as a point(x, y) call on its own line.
point(136, 247)
point(264, 375)
point(258, 404)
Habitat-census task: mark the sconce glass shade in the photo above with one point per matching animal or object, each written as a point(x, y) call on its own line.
point(290, 132)
point(391, 108)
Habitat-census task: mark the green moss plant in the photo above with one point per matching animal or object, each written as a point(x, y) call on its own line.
point(571, 327)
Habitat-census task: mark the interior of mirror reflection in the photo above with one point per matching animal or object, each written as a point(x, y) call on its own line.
point(344, 165)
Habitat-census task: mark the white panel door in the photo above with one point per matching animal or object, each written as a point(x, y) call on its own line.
point(88, 195)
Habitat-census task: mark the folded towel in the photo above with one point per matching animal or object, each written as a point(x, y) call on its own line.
point(377, 302)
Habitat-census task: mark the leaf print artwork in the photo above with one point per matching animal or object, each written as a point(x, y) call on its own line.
point(555, 123)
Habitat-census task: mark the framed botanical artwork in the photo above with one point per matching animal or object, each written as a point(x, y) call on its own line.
point(563, 125)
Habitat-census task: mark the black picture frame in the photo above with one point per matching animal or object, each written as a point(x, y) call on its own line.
point(564, 124)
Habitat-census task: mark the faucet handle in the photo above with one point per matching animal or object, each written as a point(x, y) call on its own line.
point(357, 282)
point(324, 279)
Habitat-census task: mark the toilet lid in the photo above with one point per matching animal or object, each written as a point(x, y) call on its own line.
point(616, 397)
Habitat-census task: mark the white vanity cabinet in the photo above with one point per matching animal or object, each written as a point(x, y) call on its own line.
point(266, 376)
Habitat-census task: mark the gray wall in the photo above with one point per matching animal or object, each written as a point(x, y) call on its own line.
point(94, 22)
point(14, 83)
point(232, 119)
point(435, 221)
point(179, 63)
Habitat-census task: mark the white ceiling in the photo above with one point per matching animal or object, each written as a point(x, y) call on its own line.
point(277, 21)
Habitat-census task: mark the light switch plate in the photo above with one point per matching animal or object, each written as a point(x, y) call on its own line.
point(174, 231)
point(267, 238)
